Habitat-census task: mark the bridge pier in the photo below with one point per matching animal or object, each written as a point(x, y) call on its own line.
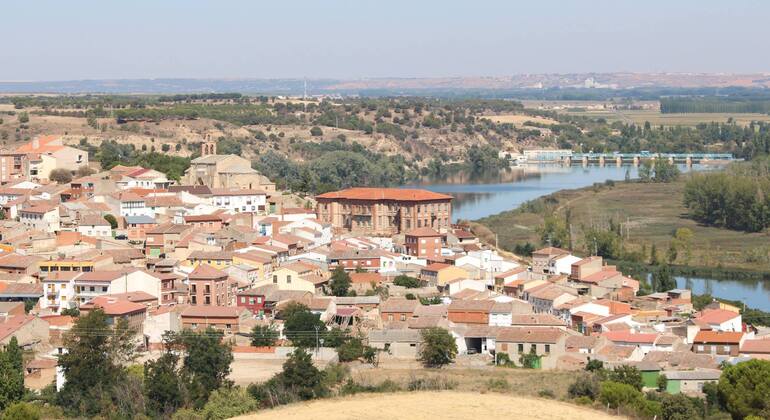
point(567, 160)
point(688, 161)
point(618, 161)
point(636, 160)
point(585, 161)
point(671, 160)
point(601, 161)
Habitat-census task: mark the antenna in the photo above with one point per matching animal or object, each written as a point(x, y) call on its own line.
point(304, 94)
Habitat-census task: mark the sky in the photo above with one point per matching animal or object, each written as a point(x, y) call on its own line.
point(104, 39)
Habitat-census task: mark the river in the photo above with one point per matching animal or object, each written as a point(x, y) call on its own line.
point(480, 196)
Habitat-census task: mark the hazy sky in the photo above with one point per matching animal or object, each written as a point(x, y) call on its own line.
point(73, 39)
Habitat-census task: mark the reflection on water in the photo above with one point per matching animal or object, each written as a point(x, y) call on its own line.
point(756, 293)
point(478, 196)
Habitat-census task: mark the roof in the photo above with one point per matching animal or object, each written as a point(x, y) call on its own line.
point(550, 251)
point(436, 267)
point(393, 335)
point(716, 316)
point(397, 194)
point(42, 364)
point(536, 319)
point(19, 261)
point(425, 231)
point(113, 306)
point(471, 305)
point(204, 218)
point(12, 324)
point(365, 278)
point(22, 290)
point(168, 228)
point(103, 276)
point(722, 337)
point(399, 305)
point(529, 335)
point(693, 375)
point(211, 311)
point(756, 346)
point(235, 191)
point(206, 272)
point(628, 337)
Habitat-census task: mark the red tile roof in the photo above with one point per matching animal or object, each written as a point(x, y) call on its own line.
point(718, 337)
point(397, 194)
point(756, 346)
point(628, 337)
point(425, 231)
point(206, 272)
point(716, 316)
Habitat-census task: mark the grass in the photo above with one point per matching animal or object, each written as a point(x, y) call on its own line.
point(651, 213)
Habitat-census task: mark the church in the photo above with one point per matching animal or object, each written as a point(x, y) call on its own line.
point(225, 171)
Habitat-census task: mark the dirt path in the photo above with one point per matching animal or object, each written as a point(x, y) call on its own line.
point(431, 405)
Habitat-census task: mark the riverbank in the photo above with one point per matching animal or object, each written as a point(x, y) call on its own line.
point(649, 214)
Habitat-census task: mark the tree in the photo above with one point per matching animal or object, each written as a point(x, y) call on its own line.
point(628, 375)
point(316, 131)
point(743, 388)
point(683, 238)
point(206, 363)
point(162, 385)
point(405, 281)
point(350, 350)
point(662, 279)
point(340, 282)
point(654, 255)
point(617, 394)
point(111, 220)
point(11, 380)
point(678, 407)
point(586, 385)
point(301, 377)
point(20, 411)
point(301, 326)
point(662, 382)
point(23, 118)
point(438, 347)
point(554, 231)
point(594, 365)
point(93, 363)
point(84, 171)
point(228, 402)
point(60, 176)
point(264, 336)
point(14, 353)
point(165, 147)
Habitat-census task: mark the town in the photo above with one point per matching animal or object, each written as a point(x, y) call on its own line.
point(224, 250)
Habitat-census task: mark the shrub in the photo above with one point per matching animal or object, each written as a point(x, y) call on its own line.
point(438, 347)
point(316, 131)
point(406, 281)
point(60, 176)
point(497, 384)
point(546, 393)
point(20, 411)
point(583, 401)
point(628, 375)
point(617, 394)
point(430, 384)
point(585, 385)
point(263, 336)
point(225, 403)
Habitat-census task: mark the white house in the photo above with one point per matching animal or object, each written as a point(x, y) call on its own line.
point(239, 201)
point(129, 204)
point(143, 178)
point(719, 320)
point(43, 217)
point(94, 225)
point(562, 264)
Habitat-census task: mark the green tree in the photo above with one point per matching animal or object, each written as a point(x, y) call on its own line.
point(678, 407)
point(628, 375)
point(14, 353)
point(316, 131)
point(264, 336)
point(654, 255)
point(301, 377)
point(350, 350)
point(300, 325)
point(228, 402)
point(662, 279)
point(206, 362)
point(340, 282)
point(554, 231)
point(438, 347)
point(594, 365)
point(60, 176)
point(662, 382)
point(111, 220)
point(617, 395)
point(405, 281)
point(23, 118)
point(163, 387)
point(744, 388)
point(585, 385)
point(529, 360)
point(683, 238)
point(20, 411)
point(93, 363)
point(11, 381)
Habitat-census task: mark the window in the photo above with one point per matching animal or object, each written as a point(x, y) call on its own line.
point(520, 348)
point(547, 348)
point(243, 299)
point(275, 279)
point(288, 279)
point(700, 348)
point(390, 317)
point(533, 348)
point(403, 317)
point(726, 348)
point(251, 301)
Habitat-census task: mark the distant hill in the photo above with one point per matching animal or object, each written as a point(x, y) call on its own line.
point(399, 86)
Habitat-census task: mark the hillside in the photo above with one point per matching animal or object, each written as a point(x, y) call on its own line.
point(431, 405)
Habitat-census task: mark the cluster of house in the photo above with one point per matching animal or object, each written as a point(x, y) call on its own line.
point(224, 249)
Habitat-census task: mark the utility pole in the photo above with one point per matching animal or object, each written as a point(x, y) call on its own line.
point(317, 345)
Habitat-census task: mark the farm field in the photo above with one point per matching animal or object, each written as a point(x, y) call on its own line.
point(656, 118)
point(651, 212)
point(518, 119)
point(431, 405)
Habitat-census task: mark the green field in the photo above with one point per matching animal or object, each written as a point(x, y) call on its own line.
point(651, 213)
point(656, 118)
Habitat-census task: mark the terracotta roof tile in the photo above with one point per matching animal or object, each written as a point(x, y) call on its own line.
point(398, 194)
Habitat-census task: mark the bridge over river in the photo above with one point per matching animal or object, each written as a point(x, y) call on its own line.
point(569, 158)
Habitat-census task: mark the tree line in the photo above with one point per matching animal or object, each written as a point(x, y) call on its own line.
point(737, 198)
point(712, 104)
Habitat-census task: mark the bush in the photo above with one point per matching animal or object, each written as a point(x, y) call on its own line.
point(583, 401)
point(628, 375)
point(546, 393)
point(20, 411)
point(586, 385)
point(497, 384)
point(431, 384)
point(406, 281)
point(618, 395)
point(743, 388)
point(316, 131)
point(225, 403)
point(263, 336)
point(60, 176)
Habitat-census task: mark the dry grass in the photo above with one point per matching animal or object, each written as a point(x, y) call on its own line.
point(656, 118)
point(518, 120)
point(432, 405)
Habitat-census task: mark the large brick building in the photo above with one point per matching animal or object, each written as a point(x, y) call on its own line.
point(385, 211)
